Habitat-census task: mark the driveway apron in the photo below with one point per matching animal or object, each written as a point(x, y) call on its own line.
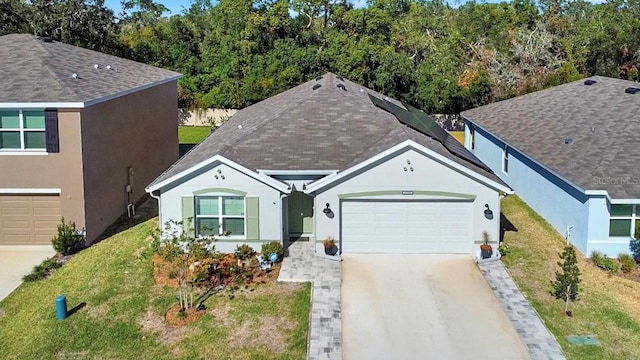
point(422, 307)
point(17, 261)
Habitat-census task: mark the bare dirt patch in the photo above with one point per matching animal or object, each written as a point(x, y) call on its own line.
point(98, 311)
point(270, 332)
point(153, 323)
point(220, 315)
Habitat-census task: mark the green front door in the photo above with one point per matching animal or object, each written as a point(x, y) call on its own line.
point(300, 213)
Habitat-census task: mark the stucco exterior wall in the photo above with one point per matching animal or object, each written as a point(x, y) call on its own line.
point(428, 175)
point(270, 203)
point(61, 170)
point(560, 204)
point(136, 131)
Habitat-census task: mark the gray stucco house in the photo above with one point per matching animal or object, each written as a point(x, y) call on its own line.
point(570, 152)
point(330, 158)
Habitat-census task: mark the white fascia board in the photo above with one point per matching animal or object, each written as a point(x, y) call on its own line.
point(623, 201)
point(402, 146)
point(80, 104)
point(45, 191)
point(530, 158)
point(278, 185)
point(296, 172)
point(42, 105)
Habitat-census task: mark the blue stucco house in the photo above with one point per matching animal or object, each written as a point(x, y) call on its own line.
point(570, 153)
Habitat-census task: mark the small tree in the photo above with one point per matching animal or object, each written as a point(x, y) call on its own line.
point(185, 254)
point(67, 239)
point(567, 282)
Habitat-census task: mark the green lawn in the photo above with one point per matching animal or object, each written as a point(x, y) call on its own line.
point(608, 307)
point(192, 134)
point(124, 313)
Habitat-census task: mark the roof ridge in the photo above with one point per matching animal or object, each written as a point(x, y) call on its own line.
point(48, 67)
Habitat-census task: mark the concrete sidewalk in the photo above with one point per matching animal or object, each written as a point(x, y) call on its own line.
point(17, 261)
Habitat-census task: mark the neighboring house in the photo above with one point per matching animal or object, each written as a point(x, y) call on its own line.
point(330, 158)
point(81, 133)
point(570, 152)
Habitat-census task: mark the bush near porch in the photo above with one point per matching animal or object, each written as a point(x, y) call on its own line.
point(607, 306)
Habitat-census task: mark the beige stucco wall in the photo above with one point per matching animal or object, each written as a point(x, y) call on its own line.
point(136, 130)
point(61, 170)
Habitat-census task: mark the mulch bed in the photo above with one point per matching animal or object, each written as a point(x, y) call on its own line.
point(173, 316)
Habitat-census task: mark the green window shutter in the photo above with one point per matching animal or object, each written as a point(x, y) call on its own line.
point(252, 216)
point(188, 221)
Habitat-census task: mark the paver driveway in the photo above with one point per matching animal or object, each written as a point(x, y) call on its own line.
point(17, 261)
point(422, 307)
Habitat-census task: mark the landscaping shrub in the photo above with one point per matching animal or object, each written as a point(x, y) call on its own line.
point(504, 250)
point(603, 262)
point(627, 263)
point(42, 271)
point(272, 247)
point(67, 240)
point(567, 281)
point(244, 252)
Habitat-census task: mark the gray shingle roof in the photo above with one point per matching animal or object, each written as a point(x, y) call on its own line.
point(602, 121)
point(36, 71)
point(306, 129)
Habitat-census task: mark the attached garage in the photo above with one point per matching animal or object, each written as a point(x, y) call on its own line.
point(28, 219)
point(394, 226)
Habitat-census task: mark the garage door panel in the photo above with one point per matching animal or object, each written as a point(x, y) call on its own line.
point(28, 219)
point(406, 227)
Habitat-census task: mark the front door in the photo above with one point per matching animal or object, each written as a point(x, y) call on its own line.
point(300, 213)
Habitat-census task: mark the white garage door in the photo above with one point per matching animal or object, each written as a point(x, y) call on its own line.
point(406, 227)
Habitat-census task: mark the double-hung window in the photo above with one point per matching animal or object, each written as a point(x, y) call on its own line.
point(622, 220)
point(505, 159)
point(22, 130)
point(220, 215)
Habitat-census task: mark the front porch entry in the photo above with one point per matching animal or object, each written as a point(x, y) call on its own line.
point(300, 215)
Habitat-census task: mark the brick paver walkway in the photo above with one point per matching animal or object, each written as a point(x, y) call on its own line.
point(325, 332)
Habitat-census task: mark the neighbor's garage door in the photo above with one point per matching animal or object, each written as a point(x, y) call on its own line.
point(28, 219)
point(406, 227)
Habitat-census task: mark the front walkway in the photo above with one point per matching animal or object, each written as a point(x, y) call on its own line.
point(542, 345)
point(325, 333)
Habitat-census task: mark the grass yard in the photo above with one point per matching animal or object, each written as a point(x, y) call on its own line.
point(608, 307)
point(458, 135)
point(124, 313)
point(192, 134)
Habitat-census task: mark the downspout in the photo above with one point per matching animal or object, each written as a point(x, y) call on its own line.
point(159, 209)
point(282, 197)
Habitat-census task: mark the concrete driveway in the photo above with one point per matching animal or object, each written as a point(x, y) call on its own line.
point(17, 261)
point(422, 307)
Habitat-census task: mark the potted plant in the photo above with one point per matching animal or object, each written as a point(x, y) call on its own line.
point(486, 251)
point(330, 247)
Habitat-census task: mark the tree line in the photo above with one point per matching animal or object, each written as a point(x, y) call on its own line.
point(438, 57)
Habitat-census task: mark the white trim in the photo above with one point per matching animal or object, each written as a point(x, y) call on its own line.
point(80, 104)
point(42, 105)
point(221, 216)
point(505, 159)
point(24, 152)
point(326, 181)
point(619, 201)
point(30, 191)
point(297, 172)
point(278, 185)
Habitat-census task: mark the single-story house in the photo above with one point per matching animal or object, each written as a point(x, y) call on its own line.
point(569, 152)
point(81, 134)
point(331, 158)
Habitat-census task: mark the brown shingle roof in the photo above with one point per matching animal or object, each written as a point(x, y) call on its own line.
point(601, 121)
point(37, 71)
point(305, 129)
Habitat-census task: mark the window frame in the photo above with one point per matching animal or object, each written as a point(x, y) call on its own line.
point(472, 137)
point(221, 216)
point(22, 130)
point(505, 159)
point(632, 217)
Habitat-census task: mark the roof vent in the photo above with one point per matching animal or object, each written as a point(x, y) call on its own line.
point(632, 90)
point(341, 86)
point(96, 66)
point(568, 140)
point(340, 78)
point(316, 86)
point(75, 76)
point(318, 78)
point(589, 82)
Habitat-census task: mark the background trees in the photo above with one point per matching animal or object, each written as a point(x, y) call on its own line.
point(440, 58)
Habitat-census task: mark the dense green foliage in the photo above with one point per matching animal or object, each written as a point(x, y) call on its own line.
point(67, 240)
point(42, 270)
point(425, 52)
